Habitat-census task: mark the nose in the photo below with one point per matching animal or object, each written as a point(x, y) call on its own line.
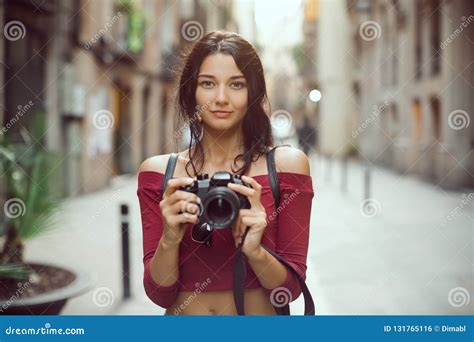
point(221, 98)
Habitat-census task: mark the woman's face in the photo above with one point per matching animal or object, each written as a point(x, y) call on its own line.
point(221, 92)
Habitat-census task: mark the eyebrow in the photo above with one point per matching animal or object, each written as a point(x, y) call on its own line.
point(213, 77)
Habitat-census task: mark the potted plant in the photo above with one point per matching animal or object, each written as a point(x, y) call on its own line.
point(27, 171)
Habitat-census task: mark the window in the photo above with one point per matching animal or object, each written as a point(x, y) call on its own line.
point(418, 35)
point(435, 38)
point(435, 116)
point(416, 120)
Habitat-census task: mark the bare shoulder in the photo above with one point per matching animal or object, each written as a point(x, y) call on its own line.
point(155, 163)
point(291, 159)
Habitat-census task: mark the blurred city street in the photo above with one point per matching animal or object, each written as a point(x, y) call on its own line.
point(378, 93)
point(402, 261)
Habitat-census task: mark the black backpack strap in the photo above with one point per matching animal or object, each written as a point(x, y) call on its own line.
point(169, 170)
point(272, 174)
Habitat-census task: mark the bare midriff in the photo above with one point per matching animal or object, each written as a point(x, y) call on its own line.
point(257, 302)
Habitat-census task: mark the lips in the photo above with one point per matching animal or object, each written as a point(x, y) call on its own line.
point(221, 113)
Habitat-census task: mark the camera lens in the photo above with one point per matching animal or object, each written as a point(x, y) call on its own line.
point(221, 206)
point(219, 209)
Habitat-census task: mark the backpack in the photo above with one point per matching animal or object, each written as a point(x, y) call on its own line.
point(239, 268)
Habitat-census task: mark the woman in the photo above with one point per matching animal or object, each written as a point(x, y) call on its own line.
point(223, 78)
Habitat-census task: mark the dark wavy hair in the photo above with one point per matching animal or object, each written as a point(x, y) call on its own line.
point(257, 133)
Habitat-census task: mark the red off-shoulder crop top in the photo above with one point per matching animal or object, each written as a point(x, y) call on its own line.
point(286, 233)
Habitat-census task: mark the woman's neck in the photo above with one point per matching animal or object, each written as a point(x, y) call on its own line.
point(220, 147)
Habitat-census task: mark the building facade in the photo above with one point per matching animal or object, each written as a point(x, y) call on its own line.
point(413, 80)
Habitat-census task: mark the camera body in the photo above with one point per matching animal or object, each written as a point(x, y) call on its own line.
point(220, 205)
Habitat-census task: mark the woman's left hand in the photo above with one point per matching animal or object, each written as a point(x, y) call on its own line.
point(255, 218)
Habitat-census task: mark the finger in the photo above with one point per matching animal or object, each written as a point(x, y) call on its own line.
point(183, 195)
point(249, 212)
point(252, 195)
point(242, 189)
point(235, 227)
point(174, 183)
point(185, 218)
point(242, 228)
point(253, 183)
point(238, 235)
point(251, 221)
point(189, 218)
point(185, 206)
point(237, 231)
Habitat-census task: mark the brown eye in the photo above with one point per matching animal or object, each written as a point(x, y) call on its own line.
point(237, 85)
point(206, 84)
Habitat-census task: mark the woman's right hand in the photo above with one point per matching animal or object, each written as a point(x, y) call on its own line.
point(178, 208)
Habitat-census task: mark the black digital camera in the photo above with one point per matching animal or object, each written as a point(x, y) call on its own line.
point(220, 205)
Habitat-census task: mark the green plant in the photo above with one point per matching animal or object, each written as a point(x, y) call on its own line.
point(136, 25)
point(136, 30)
point(28, 170)
point(16, 271)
